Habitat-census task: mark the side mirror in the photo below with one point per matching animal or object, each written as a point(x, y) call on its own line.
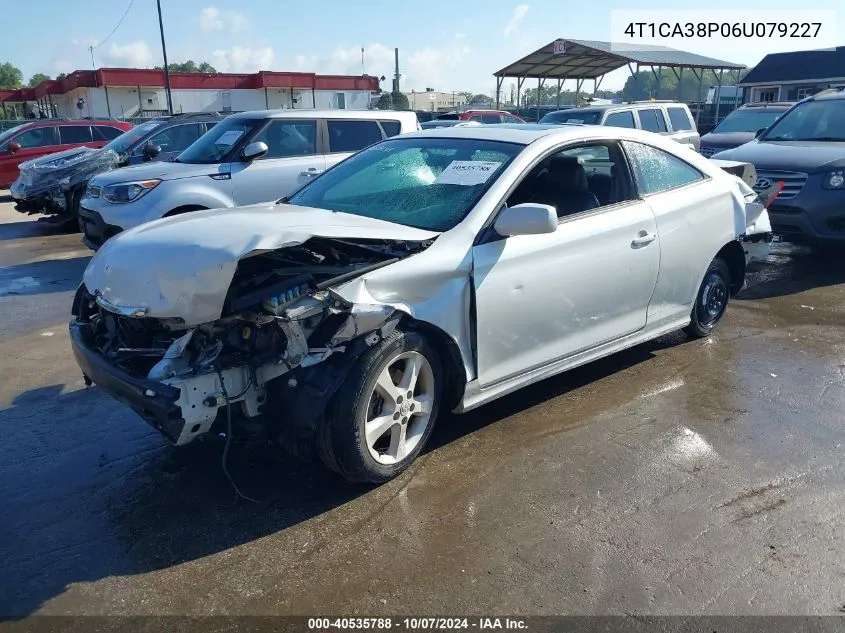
point(13, 147)
point(759, 132)
point(254, 150)
point(150, 151)
point(526, 219)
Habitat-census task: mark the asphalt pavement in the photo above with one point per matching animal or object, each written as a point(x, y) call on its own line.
point(680, 477)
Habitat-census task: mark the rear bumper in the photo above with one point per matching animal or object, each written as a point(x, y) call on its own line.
point(154, 401)
point(95, 230)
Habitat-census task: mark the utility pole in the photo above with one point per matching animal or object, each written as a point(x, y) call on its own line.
point(166, 69)
point(396, 74)
point(362, 62)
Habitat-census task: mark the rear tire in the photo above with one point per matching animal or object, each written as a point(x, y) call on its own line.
point(381, 418)
point(711, 301)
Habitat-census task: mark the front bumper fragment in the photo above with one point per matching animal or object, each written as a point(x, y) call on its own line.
point(154, 401)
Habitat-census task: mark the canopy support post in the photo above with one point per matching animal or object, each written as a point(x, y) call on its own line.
point(599, 80)
point(718, 97)
point(736, 91)
point(558, 93)
point(540, 82)
point(499, 81)
point(698, 102)
point(657, 77)
point(578, 84)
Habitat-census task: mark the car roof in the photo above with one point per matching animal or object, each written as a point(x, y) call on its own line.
point(325, 114)
point(832, 94)
point(521, 133)
point(782, 105)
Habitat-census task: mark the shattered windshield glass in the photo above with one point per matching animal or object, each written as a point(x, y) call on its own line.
point(429, 184)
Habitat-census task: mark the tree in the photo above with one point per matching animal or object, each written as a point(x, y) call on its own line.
point(37, 78)
point(479, 98)
point(393, 101)
point(645, 85)
point(10, 76)
point(61, 76)
point(189, 67)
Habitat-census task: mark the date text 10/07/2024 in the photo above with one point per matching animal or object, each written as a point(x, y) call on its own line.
point(416, 624)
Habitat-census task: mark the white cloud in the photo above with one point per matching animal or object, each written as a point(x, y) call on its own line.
point(516, 19)
point(133, 55)
point(242, 59)
point(213, 19)
point(423, 68)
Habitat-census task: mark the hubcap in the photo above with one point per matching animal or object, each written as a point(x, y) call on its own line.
point(714, 297)
point(399, 409)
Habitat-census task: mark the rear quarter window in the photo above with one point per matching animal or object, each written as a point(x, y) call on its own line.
point(106, 132)
point(391, 128)
point(351, 136)
point(680, 119)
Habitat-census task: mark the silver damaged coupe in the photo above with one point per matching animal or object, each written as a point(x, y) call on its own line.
point(431, 272)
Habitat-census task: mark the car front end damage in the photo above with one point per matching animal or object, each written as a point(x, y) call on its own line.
point(280, 317)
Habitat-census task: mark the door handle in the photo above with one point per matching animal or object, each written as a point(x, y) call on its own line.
point(643, 238)
point(312, 172)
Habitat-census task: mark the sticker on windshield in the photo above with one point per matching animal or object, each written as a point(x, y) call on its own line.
point(229, 137)
point(467, 172)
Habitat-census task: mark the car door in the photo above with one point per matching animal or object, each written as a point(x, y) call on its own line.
point(683, 127)
point(33, 142)
point(347, 136)
point(292, 159)
point(543, 298)
point(694, 219)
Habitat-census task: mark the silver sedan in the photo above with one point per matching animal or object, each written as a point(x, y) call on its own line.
point(430, 272)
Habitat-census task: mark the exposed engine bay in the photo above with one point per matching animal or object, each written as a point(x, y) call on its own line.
point(280, 314)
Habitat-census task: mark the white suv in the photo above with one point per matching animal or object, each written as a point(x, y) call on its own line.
point(247, 158)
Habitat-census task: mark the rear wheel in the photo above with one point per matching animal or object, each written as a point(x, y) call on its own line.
point(382, 416)
point(711, 300)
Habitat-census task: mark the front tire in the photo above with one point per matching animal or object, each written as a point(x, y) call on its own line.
point(382, 416)
point(711, 300)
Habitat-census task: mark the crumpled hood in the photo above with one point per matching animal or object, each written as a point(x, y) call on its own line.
point(183, 266)
point(806, 156)
point(163, 170)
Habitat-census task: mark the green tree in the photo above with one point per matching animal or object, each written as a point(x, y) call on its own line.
point(61, 75)
point(37, 78)
point(10, 76)
point(645, 86)
point(189, 66)
point(393, 101)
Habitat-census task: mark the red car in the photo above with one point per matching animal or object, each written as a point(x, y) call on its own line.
point(45, 136)
point(482, 116)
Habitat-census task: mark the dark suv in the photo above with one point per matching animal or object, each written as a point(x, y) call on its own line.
point(54, 184)
point(804, 149)
point(741, 125)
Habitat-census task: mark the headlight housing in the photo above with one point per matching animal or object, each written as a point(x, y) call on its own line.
point(834, 180)
point(128, 191)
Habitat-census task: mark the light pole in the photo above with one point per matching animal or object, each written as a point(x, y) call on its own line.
point(166, 69)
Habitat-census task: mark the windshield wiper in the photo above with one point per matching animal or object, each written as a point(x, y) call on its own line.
point(804, 140)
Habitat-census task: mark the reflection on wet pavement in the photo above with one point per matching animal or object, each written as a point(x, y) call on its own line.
point(678, 477)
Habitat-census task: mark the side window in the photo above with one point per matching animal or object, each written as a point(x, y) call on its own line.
point(106, 132)
point(176, 139)
point(680, 119)
point(657, 171)
point(491, 118)
point(577, 179)
point(620, 119)
point(652, 120)
point(391, 128)
point(39, 137)
point(75, 134)
point(287, 138)
point(351, 136)
point(475, 117)
point(208, 126)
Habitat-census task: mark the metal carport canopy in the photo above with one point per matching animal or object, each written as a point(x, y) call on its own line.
point(587, 59)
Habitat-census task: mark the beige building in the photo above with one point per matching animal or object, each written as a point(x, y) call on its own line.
point(434, 100)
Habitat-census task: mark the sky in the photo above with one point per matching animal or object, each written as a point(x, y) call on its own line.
point(443, 44)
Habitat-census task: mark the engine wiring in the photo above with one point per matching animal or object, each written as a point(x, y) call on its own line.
point(225, 457)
